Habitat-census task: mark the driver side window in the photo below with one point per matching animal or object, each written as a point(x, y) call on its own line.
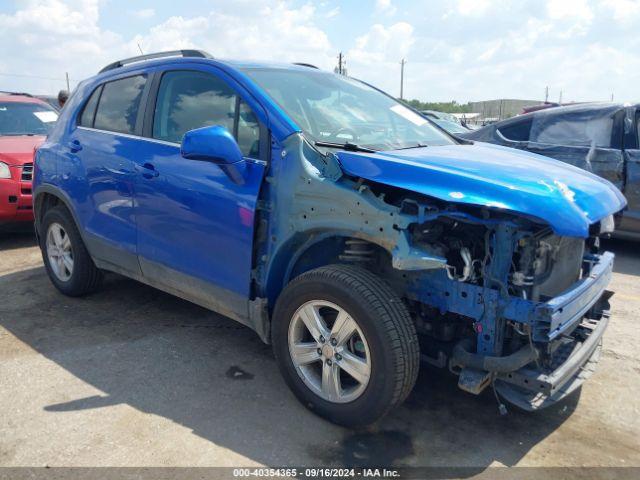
point(191, 99)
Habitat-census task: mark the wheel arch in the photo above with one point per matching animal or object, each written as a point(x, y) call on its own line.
point(46, 197)
point(307, 251)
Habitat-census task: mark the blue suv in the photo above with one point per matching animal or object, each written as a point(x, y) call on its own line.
point(344, 228)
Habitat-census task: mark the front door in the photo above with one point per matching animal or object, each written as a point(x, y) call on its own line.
point(195, 218)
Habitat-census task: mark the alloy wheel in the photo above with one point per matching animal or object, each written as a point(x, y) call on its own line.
point(329, 351)
point(59, 252)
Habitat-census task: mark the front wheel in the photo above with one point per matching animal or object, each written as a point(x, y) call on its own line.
point(345, 344)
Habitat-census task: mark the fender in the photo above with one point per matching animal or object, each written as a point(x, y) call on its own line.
point(305, 201)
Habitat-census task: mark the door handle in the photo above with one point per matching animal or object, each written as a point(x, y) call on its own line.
point(147, 170)
point(74, 146)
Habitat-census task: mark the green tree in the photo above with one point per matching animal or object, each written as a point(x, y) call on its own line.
point(448, 107)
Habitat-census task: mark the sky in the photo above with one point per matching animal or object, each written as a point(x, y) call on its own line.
point(463, 50)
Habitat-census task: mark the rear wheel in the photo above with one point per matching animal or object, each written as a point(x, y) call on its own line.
point(345, 344)
point(66, 259)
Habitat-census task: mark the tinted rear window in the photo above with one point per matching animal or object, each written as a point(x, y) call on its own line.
point(580, 128)
point(119, 104)
point(89, 111)
point(518, 131)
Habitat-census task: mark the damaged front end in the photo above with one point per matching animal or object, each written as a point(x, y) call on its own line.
point(529, 312)
point(501, 298)
point(515, 306)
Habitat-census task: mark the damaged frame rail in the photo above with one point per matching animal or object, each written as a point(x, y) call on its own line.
point(573, 322)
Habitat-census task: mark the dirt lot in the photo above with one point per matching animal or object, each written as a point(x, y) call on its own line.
point(131, 376)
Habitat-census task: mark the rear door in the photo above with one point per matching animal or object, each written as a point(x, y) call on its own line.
point(196, 219)
point(631, 218)
point(102, 147)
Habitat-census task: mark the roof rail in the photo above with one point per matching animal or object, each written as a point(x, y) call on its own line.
point(152, 56)
point(306, 65)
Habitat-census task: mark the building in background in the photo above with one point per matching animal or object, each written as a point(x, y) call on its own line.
point(501, 108)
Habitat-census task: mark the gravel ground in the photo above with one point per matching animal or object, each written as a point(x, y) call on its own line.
point(131, 376)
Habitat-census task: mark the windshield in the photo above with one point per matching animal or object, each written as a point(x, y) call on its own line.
point(450, 127)
point(334, 108)
point(26, 118)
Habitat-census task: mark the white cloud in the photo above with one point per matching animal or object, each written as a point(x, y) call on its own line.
point(378, 52)
point(260, 31)
point(488, 48)
point(624, 11)
point(472, 7)
point(385, 7)
point(47, 38)
point(490, 52)
point(54, 17)
point(333, 13)
point(144, 13)
point(575, 16)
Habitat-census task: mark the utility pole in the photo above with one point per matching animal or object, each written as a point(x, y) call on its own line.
point(612, 96)
point(402, 63)
point(67, 75)
point(340, 63)
point(546, 94)
point(560, 98)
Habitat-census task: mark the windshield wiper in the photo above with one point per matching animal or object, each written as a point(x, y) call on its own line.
point(419, 145)
point(348, 146)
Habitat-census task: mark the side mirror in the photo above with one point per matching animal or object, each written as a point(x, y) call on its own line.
point(211, 144)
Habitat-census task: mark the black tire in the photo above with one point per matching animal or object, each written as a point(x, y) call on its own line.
point(85, 277)
point(384, 321)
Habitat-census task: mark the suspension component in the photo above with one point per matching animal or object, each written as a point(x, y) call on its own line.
point(357, 251)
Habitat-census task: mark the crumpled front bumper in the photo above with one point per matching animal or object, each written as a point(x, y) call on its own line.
point(573, 323)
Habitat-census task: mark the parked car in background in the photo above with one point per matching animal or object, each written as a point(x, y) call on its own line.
point(24, 123)
point(602, 138)
point(440, 116)
point(540, 106)
point(454, 128)
point(51, 100)
point(341, 226)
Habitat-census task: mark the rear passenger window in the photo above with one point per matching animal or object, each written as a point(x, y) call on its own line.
point(189, 99)
point(119, 104)
point(89, 112)
point(582, 129)
point(518, 131)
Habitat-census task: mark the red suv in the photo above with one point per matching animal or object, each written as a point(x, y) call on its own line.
point(25, 121)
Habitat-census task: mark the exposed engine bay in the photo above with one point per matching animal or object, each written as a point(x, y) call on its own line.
point(470, 314)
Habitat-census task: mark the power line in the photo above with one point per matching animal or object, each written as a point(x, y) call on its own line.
point(21, 75)
point(342, 65)
point(402, 63)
